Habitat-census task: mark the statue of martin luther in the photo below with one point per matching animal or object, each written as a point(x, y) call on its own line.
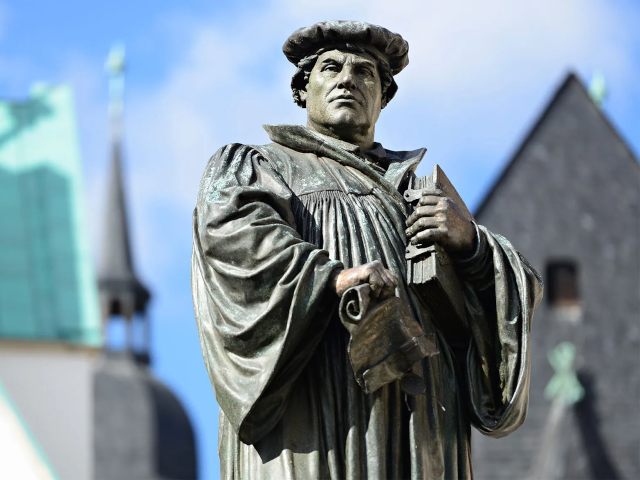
point(281, 231)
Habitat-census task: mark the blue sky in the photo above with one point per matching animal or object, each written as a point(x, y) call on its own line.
point(202, 74)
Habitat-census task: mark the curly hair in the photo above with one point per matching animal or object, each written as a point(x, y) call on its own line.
point(300, 79)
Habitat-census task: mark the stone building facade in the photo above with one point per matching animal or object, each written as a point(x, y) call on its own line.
point(569, 200)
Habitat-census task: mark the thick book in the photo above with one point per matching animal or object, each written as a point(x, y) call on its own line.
point(430, 271)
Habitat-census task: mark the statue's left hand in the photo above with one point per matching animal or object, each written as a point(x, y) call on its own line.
point(438, 219)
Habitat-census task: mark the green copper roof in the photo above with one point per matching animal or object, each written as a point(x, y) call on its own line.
point(47, 285)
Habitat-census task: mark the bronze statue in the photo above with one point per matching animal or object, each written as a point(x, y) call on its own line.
point(325, 360)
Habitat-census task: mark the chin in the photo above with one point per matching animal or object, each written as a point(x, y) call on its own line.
point(346, 118)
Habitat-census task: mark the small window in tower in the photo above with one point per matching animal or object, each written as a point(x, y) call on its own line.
point(562, 284)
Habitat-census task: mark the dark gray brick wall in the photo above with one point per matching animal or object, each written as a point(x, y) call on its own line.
point(573, 192)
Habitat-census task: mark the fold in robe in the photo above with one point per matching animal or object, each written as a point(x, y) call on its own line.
point(271, 226)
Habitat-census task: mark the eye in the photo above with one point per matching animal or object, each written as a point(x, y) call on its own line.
point(365, 72)
point(331, 67)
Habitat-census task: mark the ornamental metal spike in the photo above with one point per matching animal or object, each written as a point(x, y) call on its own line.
point(115, 66)
point(598, 88)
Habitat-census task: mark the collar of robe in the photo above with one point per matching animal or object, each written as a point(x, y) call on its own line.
point(304, 140)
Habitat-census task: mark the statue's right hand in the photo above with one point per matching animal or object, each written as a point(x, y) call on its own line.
point(383, 282)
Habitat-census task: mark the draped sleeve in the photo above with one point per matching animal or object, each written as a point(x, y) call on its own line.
point(259, 290)
point(501, 293)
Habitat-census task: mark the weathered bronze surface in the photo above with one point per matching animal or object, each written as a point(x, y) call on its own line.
point(386, 341)
point(429, 267)
point(283, 233)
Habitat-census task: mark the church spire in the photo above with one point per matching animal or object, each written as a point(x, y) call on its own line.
point(121, 293)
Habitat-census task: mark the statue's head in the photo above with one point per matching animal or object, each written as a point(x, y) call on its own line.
point(345, 70)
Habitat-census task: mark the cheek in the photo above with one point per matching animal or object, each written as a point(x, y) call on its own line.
point(311, 93)
point(317, 83)
point(314, 94)
point(374, 94)
point(311, 86)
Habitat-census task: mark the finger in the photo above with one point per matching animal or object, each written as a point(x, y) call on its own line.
point(378, 267)
point(422, 224)
point(367, 270)
point(388, 280)
point(389, 289)
point(435, 192)
point(383, 274)
point(431, 235)
point(426, 211)
point(429, 200)
point(391, 283)
point(376, 283)
point(370, 267)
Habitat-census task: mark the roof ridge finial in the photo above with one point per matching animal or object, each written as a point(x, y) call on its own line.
point(121, 292)
point(598, 88)
point(115, 66)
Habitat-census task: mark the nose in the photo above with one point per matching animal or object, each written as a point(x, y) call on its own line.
point(347, 78)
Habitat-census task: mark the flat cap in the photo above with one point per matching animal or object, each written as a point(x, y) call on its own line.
point(308, 40)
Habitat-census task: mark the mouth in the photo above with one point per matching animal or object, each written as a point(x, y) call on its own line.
point(345, 98)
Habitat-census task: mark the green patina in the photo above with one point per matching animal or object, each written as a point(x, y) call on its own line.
point(564, 386)
point(47, 286)
point(598, 89)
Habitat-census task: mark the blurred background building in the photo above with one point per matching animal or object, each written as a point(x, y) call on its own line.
point(141, 429)
point(84, 406)
point(210, 73)
point(49, 320)
point(570, 200)
point(22, 456)
point(80, 406)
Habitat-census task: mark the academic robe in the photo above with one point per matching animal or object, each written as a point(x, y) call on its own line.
point(271, 225)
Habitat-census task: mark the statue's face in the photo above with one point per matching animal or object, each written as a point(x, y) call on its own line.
point(344, 91)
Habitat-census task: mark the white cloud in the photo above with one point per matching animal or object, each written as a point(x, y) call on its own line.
point(479, 73)
point(474, 66)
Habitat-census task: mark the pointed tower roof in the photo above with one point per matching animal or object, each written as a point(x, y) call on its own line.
point(121, 293)
point(141, 430)
point(120, 290)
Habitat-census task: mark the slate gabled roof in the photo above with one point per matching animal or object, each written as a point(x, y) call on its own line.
point(571, 193)
point(570, 82)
